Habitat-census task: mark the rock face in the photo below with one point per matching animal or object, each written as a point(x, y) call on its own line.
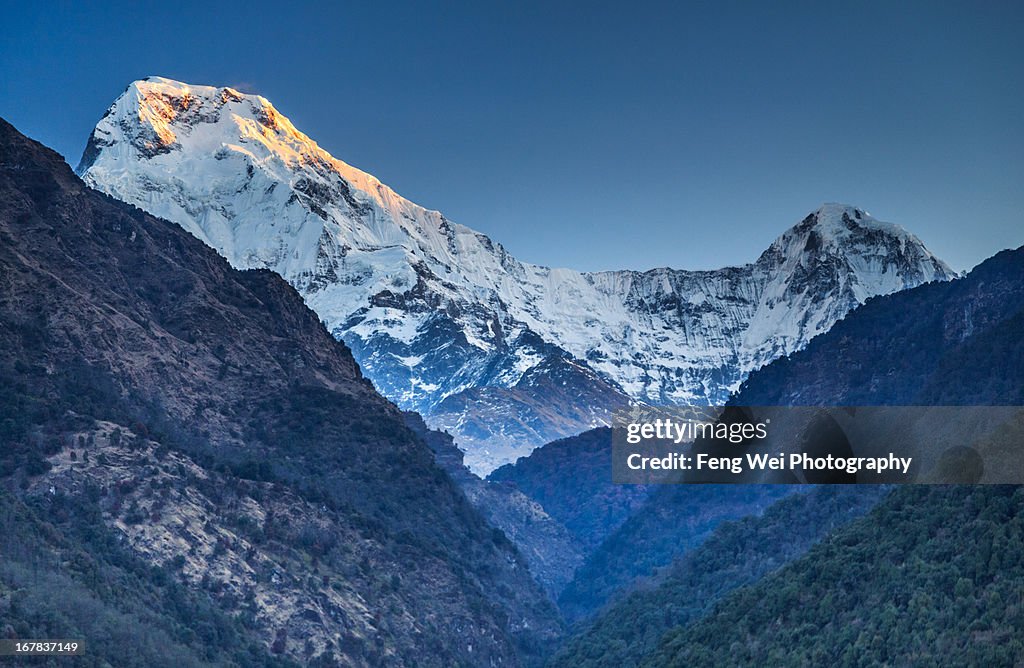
point(220, 433)
point(506, 355)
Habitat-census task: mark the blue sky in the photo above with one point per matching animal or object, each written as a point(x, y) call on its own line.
point(593, 135)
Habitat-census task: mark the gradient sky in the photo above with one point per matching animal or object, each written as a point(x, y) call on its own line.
point(593, 135)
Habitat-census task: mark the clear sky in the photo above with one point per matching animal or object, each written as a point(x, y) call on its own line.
point(593, 135)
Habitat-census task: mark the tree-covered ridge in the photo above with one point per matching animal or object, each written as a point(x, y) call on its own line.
point(737, 553)
point(676, 518)
point(572, 480)
point(934, 576)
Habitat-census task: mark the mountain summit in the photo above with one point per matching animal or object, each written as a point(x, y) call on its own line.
point(504, 354)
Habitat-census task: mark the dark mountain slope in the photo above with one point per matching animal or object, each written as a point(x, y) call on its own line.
point(571, 479)
point(626, 531)
point(965, 373)
point(737, 553)
point(552, 552)
point(237, 404)
point(676, 518)
point(932, 577)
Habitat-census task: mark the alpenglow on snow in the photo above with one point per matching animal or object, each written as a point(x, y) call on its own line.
point(504, 354)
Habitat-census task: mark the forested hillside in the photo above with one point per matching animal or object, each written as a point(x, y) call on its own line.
point(737, 553)
point(934, 576)
point(571, 479)
point(675, 518)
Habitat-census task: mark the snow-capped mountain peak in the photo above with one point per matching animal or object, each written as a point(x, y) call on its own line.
point(503, 353)
point(841, 227)
point(203, 141)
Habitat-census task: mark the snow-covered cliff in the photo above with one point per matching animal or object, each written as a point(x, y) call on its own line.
point(503, 353)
